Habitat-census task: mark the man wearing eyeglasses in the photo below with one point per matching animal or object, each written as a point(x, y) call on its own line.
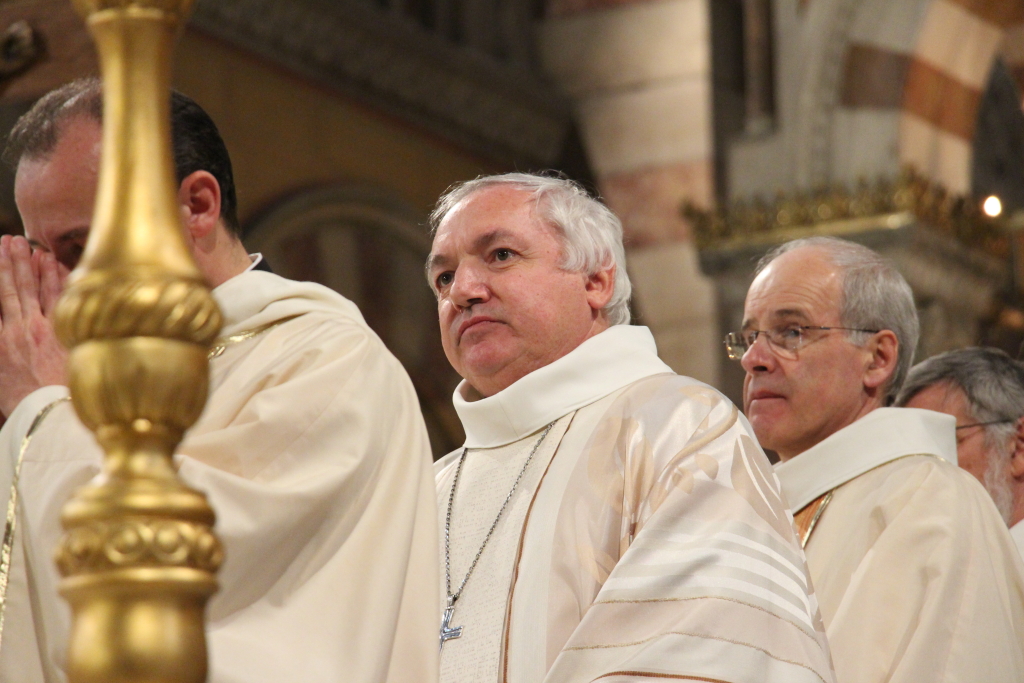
point(915, 572)
point(984, 390)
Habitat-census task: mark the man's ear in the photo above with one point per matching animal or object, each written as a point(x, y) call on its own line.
point(199, 197)
point(600, 288)
point(1017, 454)
point(884, 348)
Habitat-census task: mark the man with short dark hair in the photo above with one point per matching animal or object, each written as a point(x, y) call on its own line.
point(607, 519)
point(984, 390)
point(916, 575)
point(311, 447)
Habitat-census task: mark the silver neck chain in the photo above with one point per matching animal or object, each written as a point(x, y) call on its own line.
point(453, 597)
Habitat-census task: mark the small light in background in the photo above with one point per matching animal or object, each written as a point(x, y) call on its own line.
point(992, 207)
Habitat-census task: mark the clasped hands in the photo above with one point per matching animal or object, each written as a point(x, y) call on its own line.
point(31, 357)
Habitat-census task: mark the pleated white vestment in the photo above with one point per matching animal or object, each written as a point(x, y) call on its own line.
point(313, 453)
point(916, 574)
point(646, 540)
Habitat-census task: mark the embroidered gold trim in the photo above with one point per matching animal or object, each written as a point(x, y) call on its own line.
point(818, 512)
point(826, 498)
point(223, 343)
point(708, 636)
point(810, 634)
point(519, 550)
point(12, 508)
point(651, 674)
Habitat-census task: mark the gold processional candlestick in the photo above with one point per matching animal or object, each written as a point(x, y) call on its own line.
point(139, 555)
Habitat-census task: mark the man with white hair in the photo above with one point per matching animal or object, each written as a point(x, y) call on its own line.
point(607, 518)
point(984, 390)
point(915, 572)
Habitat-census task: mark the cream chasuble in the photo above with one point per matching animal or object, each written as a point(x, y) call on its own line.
point(914, 569)
point(313, 452)
point(1017, 532)
point(646, 539)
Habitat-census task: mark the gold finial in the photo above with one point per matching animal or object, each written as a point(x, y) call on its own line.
point(139, 554)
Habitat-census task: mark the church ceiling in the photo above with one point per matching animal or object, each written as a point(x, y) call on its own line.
point(478, 93)
point(461, 70)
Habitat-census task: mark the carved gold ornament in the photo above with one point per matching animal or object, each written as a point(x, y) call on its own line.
point(139, 554)
point(834, 210)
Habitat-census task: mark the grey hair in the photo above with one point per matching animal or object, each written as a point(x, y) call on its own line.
point(590, 233)
point(993, 384)
point(874, 297)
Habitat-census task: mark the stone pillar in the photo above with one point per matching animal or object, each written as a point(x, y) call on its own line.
point(945, 82)
point(639, 75)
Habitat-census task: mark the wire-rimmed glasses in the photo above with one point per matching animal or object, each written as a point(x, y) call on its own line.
point(985, 424)
point(785, 340)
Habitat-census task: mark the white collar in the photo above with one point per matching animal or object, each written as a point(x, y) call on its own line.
point(256, 298)
point(881, 436)
point(606, 362)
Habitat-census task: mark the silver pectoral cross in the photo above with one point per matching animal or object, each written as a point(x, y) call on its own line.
point(447, 632)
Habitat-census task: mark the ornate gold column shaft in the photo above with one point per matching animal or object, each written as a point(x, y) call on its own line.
point(139, 555)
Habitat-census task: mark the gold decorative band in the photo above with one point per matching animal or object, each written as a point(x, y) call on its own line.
point(807, 518)
point(223, 343)
point(810, 515)
point(12, 509)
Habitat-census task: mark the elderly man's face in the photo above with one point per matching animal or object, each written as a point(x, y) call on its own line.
point(55, 194)
point(506, 307)
point(971, 451)
point(794, 403)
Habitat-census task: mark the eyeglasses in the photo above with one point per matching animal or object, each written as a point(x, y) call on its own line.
point(985, 424)
point(786, 340)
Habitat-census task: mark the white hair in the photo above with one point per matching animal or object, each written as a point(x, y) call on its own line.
point(591, 235)
point(993, 384)
point(874, 297)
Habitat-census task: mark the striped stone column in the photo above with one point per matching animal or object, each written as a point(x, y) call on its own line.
point(639, 75)
point(866, 121)
point(947, 73)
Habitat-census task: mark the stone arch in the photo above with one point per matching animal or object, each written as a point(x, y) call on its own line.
point(886, 84)
point(846, 93)
point(826, 29)
point(946, 78)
